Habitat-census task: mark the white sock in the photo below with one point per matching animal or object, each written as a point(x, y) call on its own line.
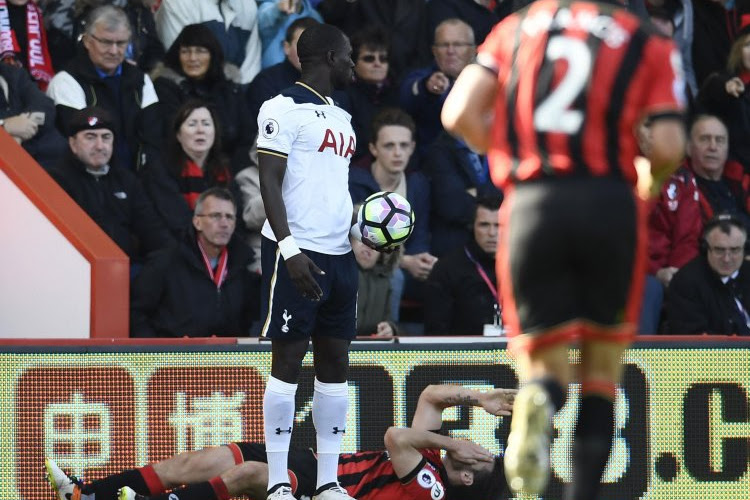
point(330, 403)
point(278, 418)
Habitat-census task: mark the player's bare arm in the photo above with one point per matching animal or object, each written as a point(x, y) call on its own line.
point(403, 445)
point(436, 398)
point(667, 146)
point(468, 109)
point(662, 142)
point(301, 268)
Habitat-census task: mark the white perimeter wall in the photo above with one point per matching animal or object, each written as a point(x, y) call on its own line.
point(45, 283)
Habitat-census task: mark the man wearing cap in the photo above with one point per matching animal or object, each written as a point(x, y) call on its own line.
point(112, 196)
point(99, 76)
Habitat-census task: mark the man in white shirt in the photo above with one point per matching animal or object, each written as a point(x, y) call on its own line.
point(305, 143)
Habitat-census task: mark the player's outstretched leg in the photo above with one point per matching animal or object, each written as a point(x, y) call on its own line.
point(206, 490)
point(527, 452)
point(66, 487)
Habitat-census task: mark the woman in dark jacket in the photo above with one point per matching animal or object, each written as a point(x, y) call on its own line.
point(194, 69)
point(193, 163)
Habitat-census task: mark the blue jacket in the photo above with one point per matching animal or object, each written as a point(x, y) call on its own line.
point(451, 173)
point(272, 25)
point(362, 184)
point(423, 106)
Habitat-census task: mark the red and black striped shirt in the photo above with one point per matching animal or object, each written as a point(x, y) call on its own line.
point(575, 78)
point(370, 476)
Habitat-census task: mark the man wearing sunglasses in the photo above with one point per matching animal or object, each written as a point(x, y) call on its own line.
point(201, 286)
point(372, 90)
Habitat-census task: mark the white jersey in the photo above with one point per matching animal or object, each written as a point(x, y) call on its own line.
point(317, 140)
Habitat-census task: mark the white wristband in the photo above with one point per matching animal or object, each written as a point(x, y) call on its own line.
point(288, 247)
point(356, 232)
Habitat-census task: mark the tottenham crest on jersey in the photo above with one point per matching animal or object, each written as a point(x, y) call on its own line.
point(270, 128)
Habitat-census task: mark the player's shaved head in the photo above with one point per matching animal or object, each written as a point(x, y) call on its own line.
point(316, 41)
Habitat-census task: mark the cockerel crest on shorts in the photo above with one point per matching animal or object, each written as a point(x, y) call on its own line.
point(286, 317)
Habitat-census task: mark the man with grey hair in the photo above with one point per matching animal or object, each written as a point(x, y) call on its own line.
point(424, 90)
point(201, 285)
point(98, 76)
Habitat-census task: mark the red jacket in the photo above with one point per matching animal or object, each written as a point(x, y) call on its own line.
point(675, 222)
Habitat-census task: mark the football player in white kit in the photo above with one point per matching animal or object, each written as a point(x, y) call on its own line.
point(305, 143)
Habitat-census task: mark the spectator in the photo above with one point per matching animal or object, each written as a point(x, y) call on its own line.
point(276, 78)
point(274, 18)
point(234, 22)
point(715, 27)
point(372, 89)
point(711, 294)
point(112, 196)
point(723, 184)
point(194, 69)
point(145, 49)
point(58, 21)
point(201, 285)
point(674, 229)
point(461, 292)
point(674, 225)
point(404, 21)
point(23, 40)
point(424, 90)
point(66, 21)
point(392, 144)
point(481, 15)
point(29, 116)
point(727, 95)
point(97, 76)
point(460, 175)
point(374, 293)
point(193, 164)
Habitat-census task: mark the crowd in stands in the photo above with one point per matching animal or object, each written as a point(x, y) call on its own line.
point(144, 112)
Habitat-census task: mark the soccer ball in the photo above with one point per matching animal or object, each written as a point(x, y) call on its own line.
point(385, 219)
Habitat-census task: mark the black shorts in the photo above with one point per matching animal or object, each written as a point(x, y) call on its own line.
point(302, 465)
point(287, 315)
point(571, 259)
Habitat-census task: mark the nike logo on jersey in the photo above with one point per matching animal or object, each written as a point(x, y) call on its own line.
point(337, 144)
